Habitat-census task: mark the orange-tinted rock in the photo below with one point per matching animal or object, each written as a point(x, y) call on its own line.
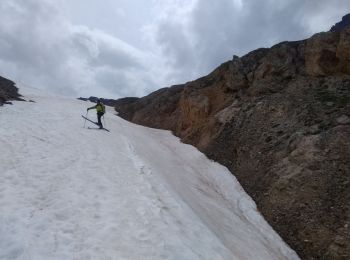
point(328, 53)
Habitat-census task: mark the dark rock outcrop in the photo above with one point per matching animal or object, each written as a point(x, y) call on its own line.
point(345, 22)
point(8, 91)
point(107, 102)
point(279, 119)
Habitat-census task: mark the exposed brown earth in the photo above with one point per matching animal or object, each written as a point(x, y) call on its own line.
point(8, 91)
point(279, 119)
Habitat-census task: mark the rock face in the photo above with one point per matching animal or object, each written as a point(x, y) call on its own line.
point(279, 119)
point(107, 102)
point(159, 109)
point(8, 91)
point(345, 22)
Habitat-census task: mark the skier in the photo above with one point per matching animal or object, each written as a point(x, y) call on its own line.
point(100, 109)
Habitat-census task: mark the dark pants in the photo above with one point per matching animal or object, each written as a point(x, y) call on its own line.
point(99, 115)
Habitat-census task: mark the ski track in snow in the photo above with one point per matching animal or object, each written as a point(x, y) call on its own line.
point(67, 192)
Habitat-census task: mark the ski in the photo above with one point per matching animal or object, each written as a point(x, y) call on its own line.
point(96, 128)
point(89, 120)
point(95, 124)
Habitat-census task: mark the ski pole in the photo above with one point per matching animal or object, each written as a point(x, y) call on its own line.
point(104, 121)
point(86, 117)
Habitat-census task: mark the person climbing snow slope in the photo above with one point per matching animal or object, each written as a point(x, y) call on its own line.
point(100, 109)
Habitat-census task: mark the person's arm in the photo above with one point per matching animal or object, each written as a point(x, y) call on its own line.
point(93, 107)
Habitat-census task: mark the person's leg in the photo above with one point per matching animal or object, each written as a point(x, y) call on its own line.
point(99, 115)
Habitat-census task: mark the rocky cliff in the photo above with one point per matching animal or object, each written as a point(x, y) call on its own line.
point(8, 91)
point(345, 22)
point(279, 119)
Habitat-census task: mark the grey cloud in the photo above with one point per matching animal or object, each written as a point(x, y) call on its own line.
point(114, 80)
point(180, 40)
point(175, 44)
point(115, 59)
point(100, 52)
point(39, 46)
point(219, 29)
point(229, 29)
point(23, 35)
point(177, 50)
point(33, 40)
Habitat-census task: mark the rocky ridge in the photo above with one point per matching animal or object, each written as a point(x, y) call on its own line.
point(8, 91)
point(345, 22)
point(279, 119)
point(107, 102)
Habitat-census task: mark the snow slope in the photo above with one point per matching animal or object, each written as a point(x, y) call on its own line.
point(68, 192)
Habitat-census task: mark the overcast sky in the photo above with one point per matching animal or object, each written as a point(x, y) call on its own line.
point(118, 48)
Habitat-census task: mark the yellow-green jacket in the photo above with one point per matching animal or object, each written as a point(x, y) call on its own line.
point(100, 108)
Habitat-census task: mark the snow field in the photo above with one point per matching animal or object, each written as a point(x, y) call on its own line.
point(67, 192)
